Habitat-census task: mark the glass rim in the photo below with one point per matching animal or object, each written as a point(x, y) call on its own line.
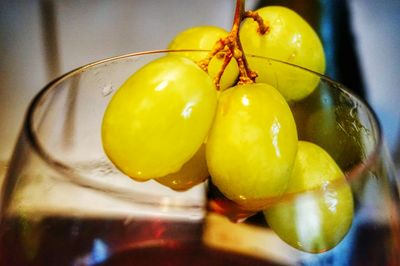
point(28, 125)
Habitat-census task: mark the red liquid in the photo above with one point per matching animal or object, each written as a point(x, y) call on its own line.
point(78, 241)
point(184, 255)
point(57, 241)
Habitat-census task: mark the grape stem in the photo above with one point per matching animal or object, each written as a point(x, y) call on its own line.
point(231, 47)
point(263, 28)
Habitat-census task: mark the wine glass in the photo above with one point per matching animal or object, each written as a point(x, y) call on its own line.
point(64, 203)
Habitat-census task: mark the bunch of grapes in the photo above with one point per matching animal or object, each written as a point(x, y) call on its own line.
point(194, 116)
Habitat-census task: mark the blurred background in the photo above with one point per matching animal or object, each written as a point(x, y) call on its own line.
point(41, 39)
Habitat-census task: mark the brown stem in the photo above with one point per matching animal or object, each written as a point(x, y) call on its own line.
point(218, 47)
point(246, 75)
point(227, 59)
point(263, 27)
point(237, 19)
point(233, 44)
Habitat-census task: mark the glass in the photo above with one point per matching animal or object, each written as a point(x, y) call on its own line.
point(64, 203)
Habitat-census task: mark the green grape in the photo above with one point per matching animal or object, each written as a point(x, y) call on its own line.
point(193, 172)
point(291, 39)
point(159, 118)
point(204, 38)
point(252, 144)
point(317, 211)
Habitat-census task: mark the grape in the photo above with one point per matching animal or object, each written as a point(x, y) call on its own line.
point(313, 221)
point(193, 172)
point(330, 126)
point(204, 38)
point(252, 144)
point(159, 118)
point(291, 39)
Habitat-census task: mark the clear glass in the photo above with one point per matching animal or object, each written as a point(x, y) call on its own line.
point(64, 203)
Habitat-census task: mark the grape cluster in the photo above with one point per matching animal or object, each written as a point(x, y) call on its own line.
point(190, 116)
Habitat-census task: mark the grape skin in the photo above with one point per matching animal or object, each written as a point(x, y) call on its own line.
point(193, 172)
point(291, 39)
point(204, 38)
point(313, 221)
point(252, 144)
point(159, 118)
